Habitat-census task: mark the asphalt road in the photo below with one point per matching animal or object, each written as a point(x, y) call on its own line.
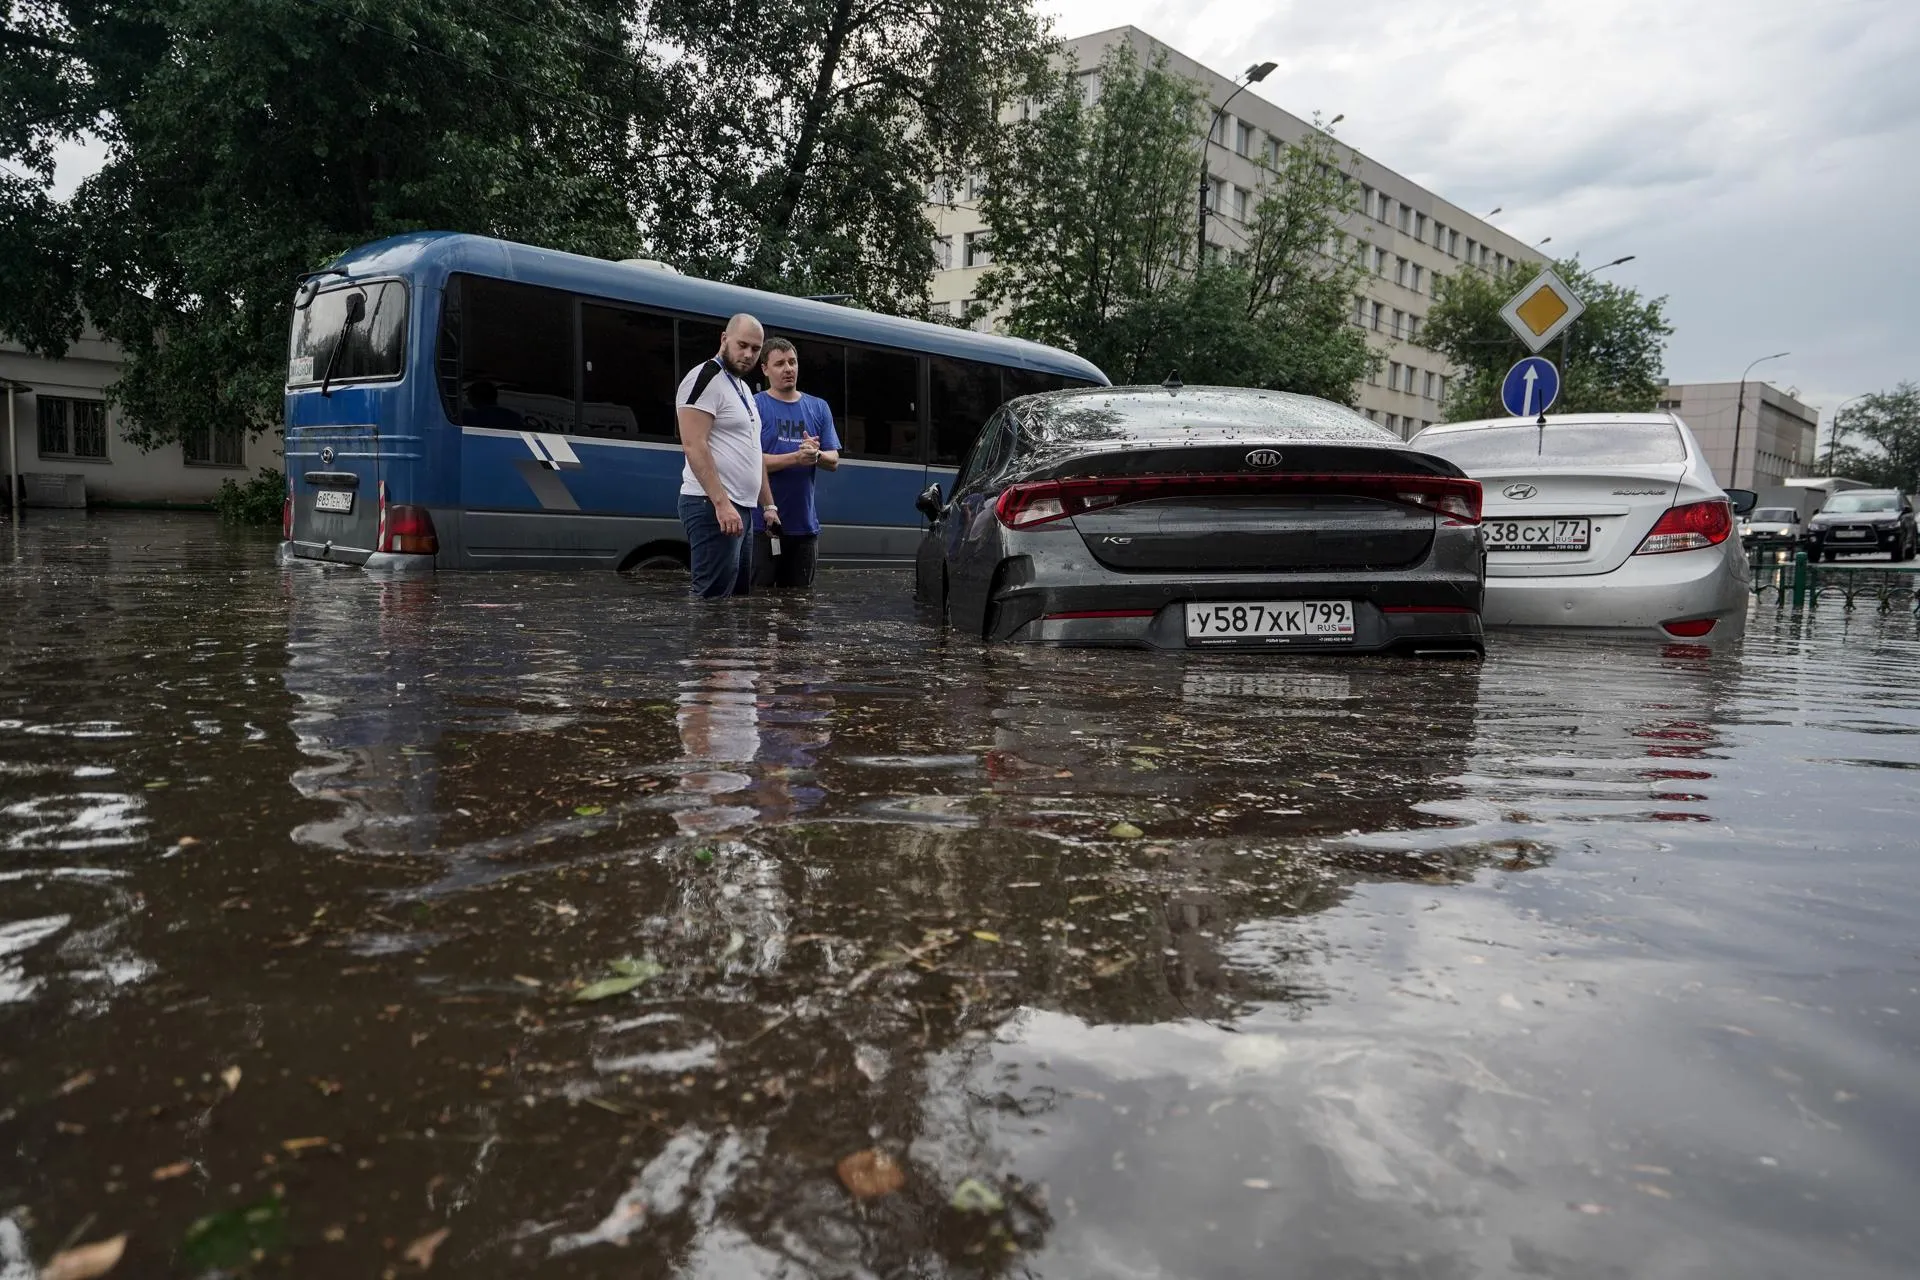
point(615, 936)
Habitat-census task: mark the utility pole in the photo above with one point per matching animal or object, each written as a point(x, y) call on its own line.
point(1252, 75)
point(1739, 410)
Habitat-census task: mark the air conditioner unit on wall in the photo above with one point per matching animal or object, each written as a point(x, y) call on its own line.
point(53, 489)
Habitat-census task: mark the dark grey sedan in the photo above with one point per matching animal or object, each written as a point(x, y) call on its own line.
point(1203, 517)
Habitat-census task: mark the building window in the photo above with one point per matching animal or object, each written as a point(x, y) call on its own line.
point(1470, 257)
point(1400, 271)
point(1399, 319)
point(1393, 422)
point(940, 191)
point(1360, 311)
point(1240, 204)
point(1419, 226)
point(206, 447)
point(1432, 381)
point(1453, 243)
point(1668, 404)
point(72, 428)
point(1379, 313)
point(942, 253)
point(976, 186)
point(977, 249)
point(1413, 277)
point(1270, 152)
point(1413, 328)
point(1366, 199)
point(1406, 219)
point(1442, 393)
point(1393, 376)
point(1379, 262)
point(1243, 139)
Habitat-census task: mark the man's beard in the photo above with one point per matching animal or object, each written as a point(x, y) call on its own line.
point(739, 368)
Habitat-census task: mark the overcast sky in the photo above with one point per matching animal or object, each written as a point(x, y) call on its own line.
point(1760, 157)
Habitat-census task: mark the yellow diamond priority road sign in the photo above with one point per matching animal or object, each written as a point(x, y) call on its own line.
point(1540, 312)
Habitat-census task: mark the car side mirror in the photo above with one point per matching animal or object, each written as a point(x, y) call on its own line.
point(929, 503)
point(1744, 500)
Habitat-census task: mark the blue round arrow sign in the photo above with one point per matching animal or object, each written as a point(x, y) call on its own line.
point(1530, 387)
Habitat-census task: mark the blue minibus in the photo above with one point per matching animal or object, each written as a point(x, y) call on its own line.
point(460, 402)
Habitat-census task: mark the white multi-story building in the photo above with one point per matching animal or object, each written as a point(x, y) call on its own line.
point(1409, 236)
point(1777, 432)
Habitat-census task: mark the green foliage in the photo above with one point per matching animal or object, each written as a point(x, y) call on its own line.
point(1091, 206)
point(251, 140)
point(1878, 439)
point(1612, 358)
point(258, 501)
point(804, 138)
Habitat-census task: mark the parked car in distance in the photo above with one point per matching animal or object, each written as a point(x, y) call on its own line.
point(1601, 520)
point(1203, 517)
point(1863, 520)
point(1772, 526)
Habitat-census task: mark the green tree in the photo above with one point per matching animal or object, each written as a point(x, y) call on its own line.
point(251, 140)
point(1878, 439)
point(808, 135)
point(1611, 360)
point(1091, 206)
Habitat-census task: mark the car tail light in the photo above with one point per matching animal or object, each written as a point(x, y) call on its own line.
point(406, 528)
point(1689, 528)
point(1692, 627)
point(1025, 506)
point(286, 518)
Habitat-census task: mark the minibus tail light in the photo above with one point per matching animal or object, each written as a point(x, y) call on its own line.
point(406, 528)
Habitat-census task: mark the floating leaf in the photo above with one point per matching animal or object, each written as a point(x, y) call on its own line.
point(1125, 831)
point(86, 1262)
point(420, 1252)
point(297, 1145)
point(231, 1078)
point(703, 856)
point(871, 1173)
point(607, 988)
point(975, 1196)
point(587, 811)
point(644, 969)
point(735, 941)
point(986, 935)
point(230, 1239)
point(167, 1171)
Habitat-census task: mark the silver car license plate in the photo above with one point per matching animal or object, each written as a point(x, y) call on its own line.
point(1269, 621)
point(333, 500)
point(1561, 533)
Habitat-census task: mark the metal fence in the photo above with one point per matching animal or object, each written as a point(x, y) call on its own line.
point(1789, 577)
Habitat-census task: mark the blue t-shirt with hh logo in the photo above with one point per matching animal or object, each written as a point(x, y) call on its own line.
point(782, 424)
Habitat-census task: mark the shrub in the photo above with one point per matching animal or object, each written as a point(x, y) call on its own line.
point(258, 501)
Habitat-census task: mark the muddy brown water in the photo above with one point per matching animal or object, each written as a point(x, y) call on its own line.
point(1596, 959)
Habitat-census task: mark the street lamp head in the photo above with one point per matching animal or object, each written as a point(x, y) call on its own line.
point(1337, 119)
point(1545, 239)
point(1494, 210)
point(1259, 71)
point(1616, 262)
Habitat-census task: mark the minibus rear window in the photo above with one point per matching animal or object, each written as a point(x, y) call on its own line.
point(374, 348)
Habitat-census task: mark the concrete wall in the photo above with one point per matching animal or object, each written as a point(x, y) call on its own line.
point(126, 474)
point(1777, 432)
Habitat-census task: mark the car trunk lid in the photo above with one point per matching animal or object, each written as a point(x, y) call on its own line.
point(335, 477)
point(1542, 508)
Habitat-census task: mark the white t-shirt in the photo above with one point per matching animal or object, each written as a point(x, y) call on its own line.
point(735, 438)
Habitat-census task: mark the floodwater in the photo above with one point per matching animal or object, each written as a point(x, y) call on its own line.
point(1596, 959)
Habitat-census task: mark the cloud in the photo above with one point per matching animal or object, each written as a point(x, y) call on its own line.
point(1753, 154)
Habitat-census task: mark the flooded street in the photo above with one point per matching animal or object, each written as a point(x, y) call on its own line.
point(789, 938)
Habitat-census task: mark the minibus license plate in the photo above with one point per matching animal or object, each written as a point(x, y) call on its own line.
point(1561, 534)
point(1269, 622)
point(333, 500)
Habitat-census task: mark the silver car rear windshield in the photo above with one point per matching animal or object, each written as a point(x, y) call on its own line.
point(1564, 444)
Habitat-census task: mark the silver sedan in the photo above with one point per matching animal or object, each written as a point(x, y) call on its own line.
point(1601, 520)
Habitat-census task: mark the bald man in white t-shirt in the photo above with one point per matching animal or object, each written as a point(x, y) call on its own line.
point(725, 473)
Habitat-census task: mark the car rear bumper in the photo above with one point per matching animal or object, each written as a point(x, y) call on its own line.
point(381, 562)
point(1431, 612)
point(1641, 594)
point(1885, 539)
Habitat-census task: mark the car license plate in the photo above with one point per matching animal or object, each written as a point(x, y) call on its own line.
point(1559, 534)
point(1269, 622)
point(333, 500)
point(1850, 533)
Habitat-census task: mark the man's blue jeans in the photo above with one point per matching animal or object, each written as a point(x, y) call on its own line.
point(722, 565)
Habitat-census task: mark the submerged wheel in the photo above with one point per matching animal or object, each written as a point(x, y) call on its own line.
point(655, 560)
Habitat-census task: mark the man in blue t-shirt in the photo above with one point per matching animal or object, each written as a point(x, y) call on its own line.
point(797, 437)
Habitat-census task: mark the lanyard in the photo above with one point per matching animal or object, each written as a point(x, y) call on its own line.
point(735, 384)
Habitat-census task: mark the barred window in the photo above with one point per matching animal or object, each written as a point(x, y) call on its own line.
point(208, 447)
point(72, 428)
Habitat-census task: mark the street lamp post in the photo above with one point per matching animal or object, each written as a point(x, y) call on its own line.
point(1616, 262)
point(1739, 410)
point(1833, 433)
point(1253, 75)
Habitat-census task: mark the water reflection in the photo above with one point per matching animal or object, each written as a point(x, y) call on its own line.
point(1588, 960)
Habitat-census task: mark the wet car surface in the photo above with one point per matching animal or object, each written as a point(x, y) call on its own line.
point(1594, 959)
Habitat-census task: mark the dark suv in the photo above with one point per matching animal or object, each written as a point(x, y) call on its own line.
point(1864, 520)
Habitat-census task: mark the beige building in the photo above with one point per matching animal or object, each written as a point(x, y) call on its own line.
point(72, 450)
point(1408, 236)
point(1777, 432)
